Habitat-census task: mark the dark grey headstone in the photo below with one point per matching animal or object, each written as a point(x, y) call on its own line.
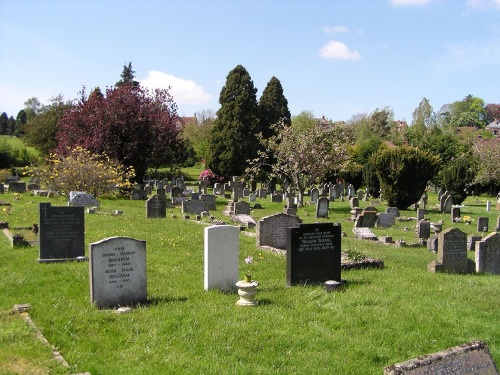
point(423, 229)
point(272, 230)
point(472, 358)
point(156, 207)
point(117, 269)
point(488, 254)
point(17, 187)
point(62, 233)
point(313, 253)
point(322, 207)
point(482, 224)
point(193, 207)
point(210, 201)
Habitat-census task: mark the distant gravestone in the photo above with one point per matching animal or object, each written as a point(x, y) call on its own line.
point(313, 253)
point(423, 229)
point(385, 220)
point(241, 208)
point(17, 187)
point(246, 220)
point(221, 254)
point(272, 230)
point(139, 194)
point(156, 207)
point(455, 214)
point(488, 254)
point(276, 198)
point(80, 198)
point(393, 210)
point(262, 193)
point(367, 218)
point(442, 198)
point(488, 206)
point(354, 202)
point(322, 207)
point(452, 251)
point(161, 192)
point(448, 203)
point(420, 214)
point(62, 233)
point(251, 197)
point(117, 267)
point(209, 200)
point(472, 358)
point(193, 207)
point(482, 224)
point(471, 242)
point(176, 192)
point(180, 184)
point(218, 188)
point(314, 195)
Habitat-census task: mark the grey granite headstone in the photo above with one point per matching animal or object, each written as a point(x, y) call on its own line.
point(423, 229)
point(156, 207)
point(209, 201)
point(385, 220)
point(80, 198)
point(17, 187)
point(488, 254)
point(472, 358)
point(272, 230)
point(482, 224)
point(117, 269)
point(193, 207)
point(322, 207)
point(62, 233)
point(221, 255)
point(452, 251)
point(314, 195)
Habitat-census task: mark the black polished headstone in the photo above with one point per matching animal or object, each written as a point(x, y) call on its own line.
point(313, 253)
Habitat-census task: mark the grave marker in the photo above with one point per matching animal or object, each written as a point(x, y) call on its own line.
point(488, 254)
point(80, 198)
point(313, 253)
point(272, 230)
point(452, 251)
point(156, 207)
point(322, 207)
point(117, 271)
point(61, 233)
point(221, 254)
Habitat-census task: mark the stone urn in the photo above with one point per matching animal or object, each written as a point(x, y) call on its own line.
point(247, 289)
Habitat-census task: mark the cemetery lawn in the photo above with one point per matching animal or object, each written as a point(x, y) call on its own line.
point(381, 316)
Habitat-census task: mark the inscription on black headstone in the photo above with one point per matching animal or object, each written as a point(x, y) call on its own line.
point(313, 253)
point(61, 232)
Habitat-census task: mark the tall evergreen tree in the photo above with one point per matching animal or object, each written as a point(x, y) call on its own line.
point(233, 139)
point(21, 120)
point(4, 120)
point(273, 108)
point(127, 76)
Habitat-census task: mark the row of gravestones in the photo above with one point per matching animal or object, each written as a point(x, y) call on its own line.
point(156, 206)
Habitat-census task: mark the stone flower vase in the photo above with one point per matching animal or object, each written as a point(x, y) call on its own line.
point(247, 289)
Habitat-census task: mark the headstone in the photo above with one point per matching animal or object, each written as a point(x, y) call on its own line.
point(322, 207)
point(488, 254)
point(455, 214)
point(149, 189)
point(79, 198)
point(313, 253)
point(472, 358)
point(448, 203)
point(354, 202)
point(221, 254)
point(385, 220)
point(139, 194)
point(482, 224)
point(276, 198)
point(420, 214)
point(180, 184)
point(176, 192)
point(117, 270)
point(488, 206)
point(62, 232)
point(424, 198)
point(423, 229)
point(156, 207)
point(193, 207)
point(161, 192)
point(251, 197)
point(432, 243)
point(262, 193)
point(314, 195)
point(364, 234)
point(360, 195)
point(497, 227)
point(218, 188)
point(209, 201)
point(367, 218)
point(452, 251)
point(33, 186)
point(246, 220)
point(393, 210)
point(471, 242)
point(351, 192)
point(17, 187)
point(272, 230)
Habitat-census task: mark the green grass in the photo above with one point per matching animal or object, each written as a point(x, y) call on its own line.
point(379, 318)
point(20, 153)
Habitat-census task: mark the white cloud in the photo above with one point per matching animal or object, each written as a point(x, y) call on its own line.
point(484, 4)
point(183, 90)
point(338, 51)
point(469, 56)
point(335, 29)
point(402, 3)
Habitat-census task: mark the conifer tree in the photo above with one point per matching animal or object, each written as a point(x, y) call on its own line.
point(273, 108)
point(233, 139)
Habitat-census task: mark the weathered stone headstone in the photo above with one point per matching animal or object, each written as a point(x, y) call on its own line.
point(210, 201)
point(472, 358)
point(176, 192)
point(452, 251)
point(272, 230)
point(262, 193)
point(156, 207)
point(482, 224)
point(364, 234)
point(161, 192)
point(80, 198)
point(246, 220)
point(367, 218)
point(455, 214)
point(393, 210)
point(17, 187)
point(117, 268)
point(276, 198)
point(322, 207)
point(139, 194)
point(218, 188)
point(385, 220)
point(488, 206)
point(251, 197)
point(471, 242)
point(354, 202)
point(62, 233)
point(448, 203)
point(193, 207)
point(221, 254)
point(180, 184)
point(423, 229)
point(313, 253)
point(488, 254)
point(314, 195)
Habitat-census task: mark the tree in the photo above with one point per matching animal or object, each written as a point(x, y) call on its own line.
point(381, 121)
point(40, 131)
point(467, 112)
point(423, 118)
point(32, 106)
point(305, 152)
point(4, 123)
point(127, 76)
point(487, 152)
point(457, 176)
point(403, 173)
point(233, 139)
point(492, 112)
point(21, 120)
point(198, 132)
point(273, 107)
point(132, 125)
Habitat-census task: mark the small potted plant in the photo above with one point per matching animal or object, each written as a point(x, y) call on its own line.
point(247, 288)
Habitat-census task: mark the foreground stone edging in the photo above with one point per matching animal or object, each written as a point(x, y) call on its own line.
point(23, 311)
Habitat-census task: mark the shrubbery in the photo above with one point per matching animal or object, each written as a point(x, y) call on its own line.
point(457, 176)
point(83, 171)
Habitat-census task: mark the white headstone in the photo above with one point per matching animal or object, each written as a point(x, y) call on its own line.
point(221, 255)
point(117, 270)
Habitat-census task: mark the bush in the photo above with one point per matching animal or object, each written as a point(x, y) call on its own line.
point(83, 171)
point(403, 173)
point(458, 175)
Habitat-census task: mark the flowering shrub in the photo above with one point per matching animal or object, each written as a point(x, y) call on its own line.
point(83, 171)
point(208, 175)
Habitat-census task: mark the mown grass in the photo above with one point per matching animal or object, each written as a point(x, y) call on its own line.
point(379, 318)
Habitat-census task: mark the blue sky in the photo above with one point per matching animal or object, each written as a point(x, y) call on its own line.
point(337, 58)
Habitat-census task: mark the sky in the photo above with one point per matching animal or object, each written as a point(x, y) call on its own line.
point(334, 58)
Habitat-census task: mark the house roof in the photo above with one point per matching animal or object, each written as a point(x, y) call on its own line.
point(495, 124)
